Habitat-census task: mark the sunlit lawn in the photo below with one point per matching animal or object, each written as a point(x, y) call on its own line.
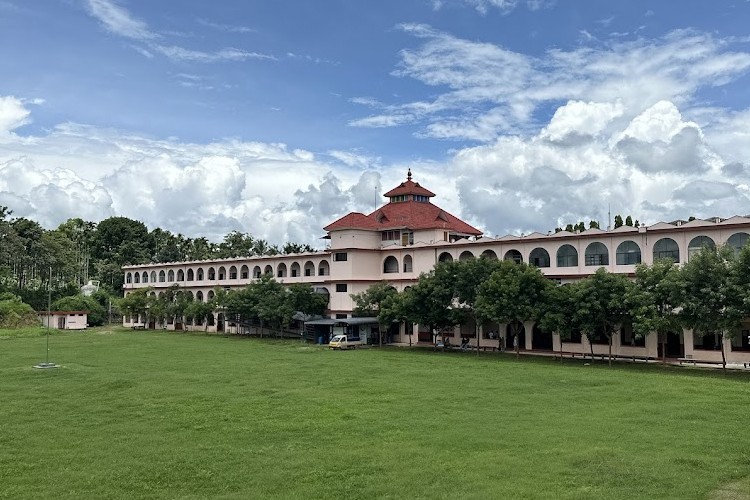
point(175, 415)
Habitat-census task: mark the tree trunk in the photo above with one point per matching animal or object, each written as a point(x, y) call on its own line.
point(476, 333)
point(591, 348)
point(610, 350)
point(380, 336)
point(723, 355)
point(261, 328)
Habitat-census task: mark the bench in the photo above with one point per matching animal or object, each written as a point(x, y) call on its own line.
point(139, 327)
point(690, 359)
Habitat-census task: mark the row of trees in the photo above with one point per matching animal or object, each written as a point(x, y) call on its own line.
point(34, 260)
point(710, 294)
point(594, 224)
point(265, 301)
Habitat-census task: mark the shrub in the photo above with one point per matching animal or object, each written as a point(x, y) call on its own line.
point(16, 314)
point(97, 313)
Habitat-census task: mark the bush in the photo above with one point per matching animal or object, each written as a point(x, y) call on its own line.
point(97, 313)
point(16, 314)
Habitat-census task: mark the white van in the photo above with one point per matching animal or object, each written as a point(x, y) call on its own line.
point(345, 342)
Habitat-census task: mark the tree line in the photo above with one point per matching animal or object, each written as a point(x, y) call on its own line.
point(709, 294)
point(35, 261)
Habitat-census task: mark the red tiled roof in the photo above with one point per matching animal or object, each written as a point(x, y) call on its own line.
point(409, 187)
point(412, 215)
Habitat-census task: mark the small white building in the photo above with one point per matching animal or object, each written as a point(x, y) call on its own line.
point(64, 320)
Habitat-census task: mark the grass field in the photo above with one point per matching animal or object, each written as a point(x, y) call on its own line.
point(168, 415)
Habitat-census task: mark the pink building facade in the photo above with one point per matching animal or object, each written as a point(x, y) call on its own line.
point(409, 234)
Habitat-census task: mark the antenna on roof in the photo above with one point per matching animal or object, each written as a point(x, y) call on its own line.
point(609, 216)
point(408, 174)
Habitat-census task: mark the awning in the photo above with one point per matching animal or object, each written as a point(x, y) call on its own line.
point(327, 322)
point(359, 321)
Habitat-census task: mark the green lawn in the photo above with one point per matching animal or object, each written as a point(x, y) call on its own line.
point(168, 415)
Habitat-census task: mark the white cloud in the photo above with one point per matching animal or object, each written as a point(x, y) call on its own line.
point(121, 22)
point(13, 114)
point(475, 81)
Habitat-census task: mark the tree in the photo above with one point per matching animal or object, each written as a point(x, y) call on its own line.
point(709, 303)
point(514, 293)
point(618, 221)
point(303, 298)
point(569, 228)
point(97, 314)
point(430, 302)
point(593, 224)
point(601, 306)
point(629, 221)
point(558, 302)
point(370, 303)
point(467, 278)
point(135, 302)
point(653, 299)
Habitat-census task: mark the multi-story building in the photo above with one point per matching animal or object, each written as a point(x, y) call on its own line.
point(409, 235)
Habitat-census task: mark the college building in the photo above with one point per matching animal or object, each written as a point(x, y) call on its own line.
point(409, 235)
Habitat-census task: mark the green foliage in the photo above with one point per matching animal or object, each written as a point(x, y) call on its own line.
point(97, 314)
point(601, 306)
point(654, 298)
point(370, 303)
point(514, 293)
point(618, 221)
point(629, 221)
point(16, 314)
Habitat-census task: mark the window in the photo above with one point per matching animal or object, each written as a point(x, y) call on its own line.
point(170, 276)
point(628, 337)
point(199, 275)
point(628, 253)
point(513, 255)
point(211, 274)
point(698, 243)
point(389, 236)
point(232, 273)
point(710, 342)
point(341, 316)
point(742, 343)
point(244, 272)
point(407, 264)
point(407, 238)
point(539, 257)
point(575, 338)
point(162, 276)
point(341, 287)
point(390, 265)
point(666, 248)
point(421, 198)
point(596, 254)
point(340, 257)
point(737, 241)
point(399, 198)
point(180, 275)
point(129, 278)
point(567, 256)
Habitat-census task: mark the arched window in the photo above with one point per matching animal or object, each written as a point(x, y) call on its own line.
point(309, 268)
point(153, 277)
point(190, 275)
point(390, 265)
point(170, 276)
point(180, 275)
point(281, 271)
point(666, 248)
point(256, 272)
point(465, 255)
point(233, 273)
point(210, 295)
point(408, 264)
point(244, 272)
point(222, 273)
point(199, 274)
point(489, 254)
point(190, 295)
point(211, 274)
point(199, 296)
point(567, 256)
point(129, 278)
point(268, 270)
point(513, 255)
point(137, 278)
point(162, 276)
point(539, 257)
point(698, 243)
point(145, 277)
point(596, 254)
point(628, 253)
point(324, 268)
point(445, 257)
point(737, 241)
point(294, 271)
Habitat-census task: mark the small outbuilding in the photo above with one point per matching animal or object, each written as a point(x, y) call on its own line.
point(64, 320)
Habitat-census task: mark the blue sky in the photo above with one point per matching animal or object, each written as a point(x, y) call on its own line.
point(277, 117)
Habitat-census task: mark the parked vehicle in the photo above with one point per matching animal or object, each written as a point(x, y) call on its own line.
point(345, 342)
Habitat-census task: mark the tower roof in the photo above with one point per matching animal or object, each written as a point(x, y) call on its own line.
point(409, 187)
point(407, 214)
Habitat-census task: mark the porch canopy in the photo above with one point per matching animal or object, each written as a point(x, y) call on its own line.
point(346, 321)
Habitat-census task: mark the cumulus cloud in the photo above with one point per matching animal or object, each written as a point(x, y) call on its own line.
point(13, 114)
point(480, 82)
